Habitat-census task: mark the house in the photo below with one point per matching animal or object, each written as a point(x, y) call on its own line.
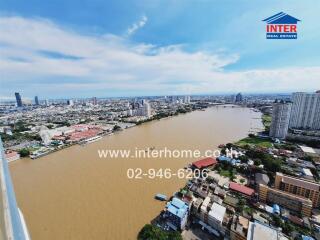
point(177, 212)
point(246, 191)
point(212, 216)
point(229, 160)
point(231, 200)
point(12, 156)
point(204, 163)
point(239, 228)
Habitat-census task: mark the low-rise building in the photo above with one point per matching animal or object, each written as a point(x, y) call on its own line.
point(204, 163)
point(259, 231)
point(231, 200)
point(298, 186)
point(177, 212)
point(12, 156)
point(245, 191)
point(213, 215)
point(239, 228)
point(287, 200)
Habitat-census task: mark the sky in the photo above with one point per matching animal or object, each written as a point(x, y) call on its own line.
point(103, 48)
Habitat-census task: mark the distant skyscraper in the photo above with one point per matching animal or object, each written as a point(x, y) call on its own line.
point(186, 99)
point(239, 97)
point(94, 101)
point(305, 112)
point(146, 109)
point(18, 99)
point(173, 99)
point(36, 100)
point(70, 102)
point(280, 119)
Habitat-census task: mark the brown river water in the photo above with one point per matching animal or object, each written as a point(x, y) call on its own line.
point(74, 194)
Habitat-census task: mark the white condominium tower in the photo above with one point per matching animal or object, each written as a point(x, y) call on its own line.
point(280, 119)
point(305, 113)
point(147, 110)
point(144, 110)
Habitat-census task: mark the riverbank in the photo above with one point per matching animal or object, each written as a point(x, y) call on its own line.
point(56, 139)
point(74, 194)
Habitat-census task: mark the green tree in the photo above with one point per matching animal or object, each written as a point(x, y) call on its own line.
point(288, 228)
point(277, 220)
point(257, 162)
point(243, 159)
point(151, 232)
point(116, 128)
point(24, 152)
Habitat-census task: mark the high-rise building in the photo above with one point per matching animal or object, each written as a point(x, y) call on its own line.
point(305, 113)
point(18, 99)
point(280, 119)
point(70, 102)
point(94, 101)
point(173, 99)
point(186, 99)
point(36, 100)
point(146, 109)
point(239, 97)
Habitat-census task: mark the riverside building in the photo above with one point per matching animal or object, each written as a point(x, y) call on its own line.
point(305, 113)
point(280, 119)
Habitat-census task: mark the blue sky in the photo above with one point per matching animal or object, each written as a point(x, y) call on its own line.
point(68, 48)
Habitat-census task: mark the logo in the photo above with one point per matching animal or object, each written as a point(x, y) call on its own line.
point(281, 26)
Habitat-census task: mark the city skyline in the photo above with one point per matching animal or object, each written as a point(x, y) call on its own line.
point(159, 119)
point(151, 52)
point(90, 97)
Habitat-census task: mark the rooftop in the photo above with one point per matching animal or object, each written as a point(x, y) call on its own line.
point(299, 182)
point(309, 150)
point(262, 178)
point(240, 188)
point(206, 162)
point(258, 231)
point(177, 207)
point(217, 211)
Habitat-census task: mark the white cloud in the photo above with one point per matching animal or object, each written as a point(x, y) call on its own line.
point(137, 25)
point(38, 54)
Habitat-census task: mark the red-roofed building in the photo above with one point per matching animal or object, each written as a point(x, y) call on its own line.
point(12, 156)
point(78, 136)
point(296, 220)
point(204, 163)
point(241, 189)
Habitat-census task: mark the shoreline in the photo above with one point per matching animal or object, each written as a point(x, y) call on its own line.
point(154, 220)
point(107, 134)
point(67, 181)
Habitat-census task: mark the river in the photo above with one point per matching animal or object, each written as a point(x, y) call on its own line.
point(74, 194)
